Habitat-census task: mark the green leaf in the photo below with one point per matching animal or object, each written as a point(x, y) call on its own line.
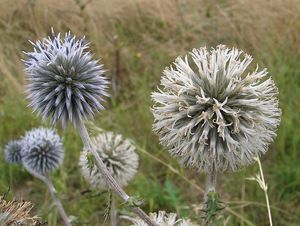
point(212, 206)
point(134, 201)
point(90, 161)
point(173, 194)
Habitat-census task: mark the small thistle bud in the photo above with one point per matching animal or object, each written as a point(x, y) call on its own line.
point(119, 156)
point(214, 114)
point(164, 219)
point(12, 152)
point(42, 151)
point(65, 83)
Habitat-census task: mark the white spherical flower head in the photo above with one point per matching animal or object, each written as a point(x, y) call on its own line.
point(164, 219)
point(12, 152)
point(119, 156)
point(65, 83)
point(42, 151)
point(214, 114)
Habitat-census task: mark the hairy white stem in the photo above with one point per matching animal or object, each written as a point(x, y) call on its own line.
point(112, 183)
point(210, 186)
point(265, 189)
point(113, 212)
point(47, 180)
point(57, 201)
point(211, 183)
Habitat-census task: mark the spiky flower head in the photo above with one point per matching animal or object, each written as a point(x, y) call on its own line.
point(213, 113)
point(119, 156)
point(42, 150)
point(12, 151)
point(65, 83)
point(164, 219)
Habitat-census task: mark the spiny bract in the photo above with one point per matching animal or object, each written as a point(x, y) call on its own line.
point(119, 156)
point(164, 219)
point(42, 150)
point(16, 213)
point(12, 151)
point(213, 113)
point(65, 83)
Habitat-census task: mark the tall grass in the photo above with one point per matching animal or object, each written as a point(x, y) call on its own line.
point(150, 35)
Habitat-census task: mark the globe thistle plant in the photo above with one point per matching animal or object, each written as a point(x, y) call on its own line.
point(65, 83)
point(12, 151)
point(164, 219)
point(42, 151)
point(213, 113)
point(119, 156)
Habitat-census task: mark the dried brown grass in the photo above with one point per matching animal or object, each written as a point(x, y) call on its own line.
point(17, 213)
point(169, 26)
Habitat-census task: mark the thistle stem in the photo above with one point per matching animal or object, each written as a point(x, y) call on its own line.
point(210, 197)
point(47, 180)
point(112, 183)
point(113, 212)
point(211, 183)
point(57, 201)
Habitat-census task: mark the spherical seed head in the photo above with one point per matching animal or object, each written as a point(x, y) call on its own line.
point(42, 151)
point(164, 219)
point(212, 113)
point(12, 151)
point(119, 156)
point(65, 83)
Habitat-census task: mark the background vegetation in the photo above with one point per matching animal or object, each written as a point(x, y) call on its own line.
point(148, 36)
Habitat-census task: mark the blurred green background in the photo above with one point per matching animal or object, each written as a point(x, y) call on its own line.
point(147, 36)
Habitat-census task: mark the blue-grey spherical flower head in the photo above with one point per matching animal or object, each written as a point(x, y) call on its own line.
point(65, 83)
point(12, 151)
point(42, 151)
point(118, 154)
point(164, 219)
point(213, 113)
